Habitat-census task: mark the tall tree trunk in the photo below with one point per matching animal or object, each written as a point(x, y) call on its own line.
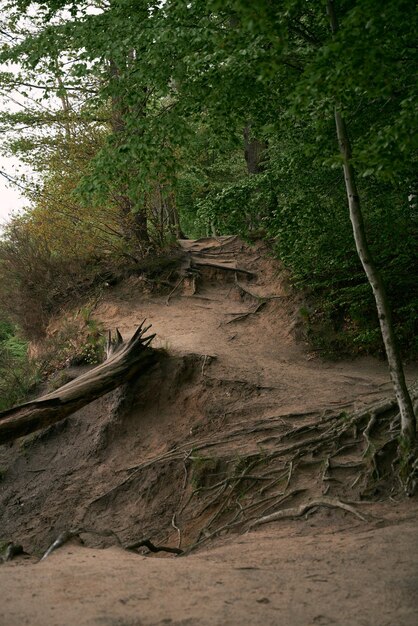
point(172, 215)
point(138, 217)
point(408, 421)
point(134, 222)
point(254, 151)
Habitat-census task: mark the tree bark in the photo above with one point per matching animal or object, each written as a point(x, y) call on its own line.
point(408, 421)
point(173, 215)
point(126, 206)
point(254, 151)
point(126, 361)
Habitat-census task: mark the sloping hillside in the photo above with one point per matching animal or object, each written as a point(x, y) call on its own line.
point(236, 422)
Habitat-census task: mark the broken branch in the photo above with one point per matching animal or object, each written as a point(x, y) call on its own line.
point(133, 357)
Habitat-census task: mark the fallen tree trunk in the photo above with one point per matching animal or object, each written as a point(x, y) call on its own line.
point(125, 361)
point(221, 264)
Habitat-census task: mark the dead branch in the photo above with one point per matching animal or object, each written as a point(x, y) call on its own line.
point(172, 292)
point(113, 345)
point(66, 535)
point(126, 362)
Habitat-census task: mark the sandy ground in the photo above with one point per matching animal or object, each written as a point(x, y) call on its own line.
point(293, 575)
point(327, 569)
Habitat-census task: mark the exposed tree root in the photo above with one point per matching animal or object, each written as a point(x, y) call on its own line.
point(66, 535)
point(261, 300)
point(347, 456)
point(226, 265)
point(304, 508)
point(151, 547)
point(243, 290)
point(62, 538)
point(243, 316)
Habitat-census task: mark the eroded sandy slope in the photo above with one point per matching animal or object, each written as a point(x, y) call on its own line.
point(328, 569)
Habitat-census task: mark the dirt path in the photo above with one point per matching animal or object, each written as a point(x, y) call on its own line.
point(260, 348)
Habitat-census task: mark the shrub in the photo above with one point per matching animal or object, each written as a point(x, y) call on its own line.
point(19, 375)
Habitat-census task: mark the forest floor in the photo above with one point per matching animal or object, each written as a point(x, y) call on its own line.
point(237, 383)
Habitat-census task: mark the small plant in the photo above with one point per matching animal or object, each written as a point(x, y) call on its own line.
point(78, 340)
point(203, 469)
point(91, 352)
point(304, 313)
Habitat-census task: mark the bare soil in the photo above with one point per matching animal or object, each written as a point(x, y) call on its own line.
point(129, 466)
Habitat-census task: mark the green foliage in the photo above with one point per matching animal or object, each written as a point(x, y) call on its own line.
point(160, 94)
point(18, 374)
point(237, 208)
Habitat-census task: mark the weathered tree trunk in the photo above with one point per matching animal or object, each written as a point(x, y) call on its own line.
point(134, 222)
point(135, 218)
point(408, 421)
point(173, 215)
point(254, 152)
point(126, 361)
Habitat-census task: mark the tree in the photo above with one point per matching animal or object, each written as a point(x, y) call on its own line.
point(95, 78)
point(187, 65)
point(408, 422)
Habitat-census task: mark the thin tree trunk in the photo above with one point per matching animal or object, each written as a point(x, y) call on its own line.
point(254, 152)
point(408, 421)
point(172, 215)
point(139, 217)
point(65, 102)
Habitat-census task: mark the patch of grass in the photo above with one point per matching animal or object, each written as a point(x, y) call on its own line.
point(76, 340)
point(3, 546)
